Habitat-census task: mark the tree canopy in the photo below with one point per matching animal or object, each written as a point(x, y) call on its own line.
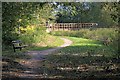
point(21, 14)
point(105, 14)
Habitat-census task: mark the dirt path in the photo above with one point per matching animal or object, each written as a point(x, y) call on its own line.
point(37, 57)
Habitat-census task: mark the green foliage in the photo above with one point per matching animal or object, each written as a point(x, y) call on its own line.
point(34, 35)
point(101, 13)
point(7, 51)
point(49, 42)
point(85, 47)
point(112, 10)
point(84, 58)
point(99, 34)
point(22, 14)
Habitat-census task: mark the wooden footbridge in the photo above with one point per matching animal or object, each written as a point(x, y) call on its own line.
point(69, 26)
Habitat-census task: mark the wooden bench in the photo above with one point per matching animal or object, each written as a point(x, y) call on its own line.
point(18, 45)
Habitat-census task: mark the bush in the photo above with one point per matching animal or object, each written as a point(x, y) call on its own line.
point(33, 35)
point(110, 34)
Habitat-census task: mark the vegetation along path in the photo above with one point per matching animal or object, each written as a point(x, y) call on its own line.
point(37, 56)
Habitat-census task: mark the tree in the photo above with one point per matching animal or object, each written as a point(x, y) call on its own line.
point(111, 10)
point(87, 12)
point(20, 14)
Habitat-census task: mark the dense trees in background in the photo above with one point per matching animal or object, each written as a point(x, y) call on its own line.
point(110, 10)
point(24, 19)
point(105, 14)
point(23, 15)
point(113, 9)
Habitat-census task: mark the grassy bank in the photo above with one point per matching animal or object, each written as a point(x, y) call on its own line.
point(82, 46)
point(101, 34)
point(84, 58)
point(87, 56)
point(48, 42)
point(85, 48)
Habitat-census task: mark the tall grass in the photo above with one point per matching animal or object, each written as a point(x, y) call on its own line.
point(100, 34)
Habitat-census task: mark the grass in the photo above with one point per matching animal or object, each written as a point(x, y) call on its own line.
point(86, 48)
point(15, 55)
point(82, 46)
point(50, 42)
point(90, 56)
point(86, 56)
point(110, 34)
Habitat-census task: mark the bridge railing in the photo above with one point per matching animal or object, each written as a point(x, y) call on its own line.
point(70, 26)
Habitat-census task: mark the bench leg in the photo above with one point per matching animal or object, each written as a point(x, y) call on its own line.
point(14, 50)
point(20, 49)
point(17, 48)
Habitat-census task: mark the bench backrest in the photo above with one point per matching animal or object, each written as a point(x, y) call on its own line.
point(16, 43)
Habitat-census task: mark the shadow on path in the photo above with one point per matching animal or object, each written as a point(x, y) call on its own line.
point(26, 69)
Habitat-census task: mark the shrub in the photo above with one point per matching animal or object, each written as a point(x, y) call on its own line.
point(100, 34)
point(33, 35)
